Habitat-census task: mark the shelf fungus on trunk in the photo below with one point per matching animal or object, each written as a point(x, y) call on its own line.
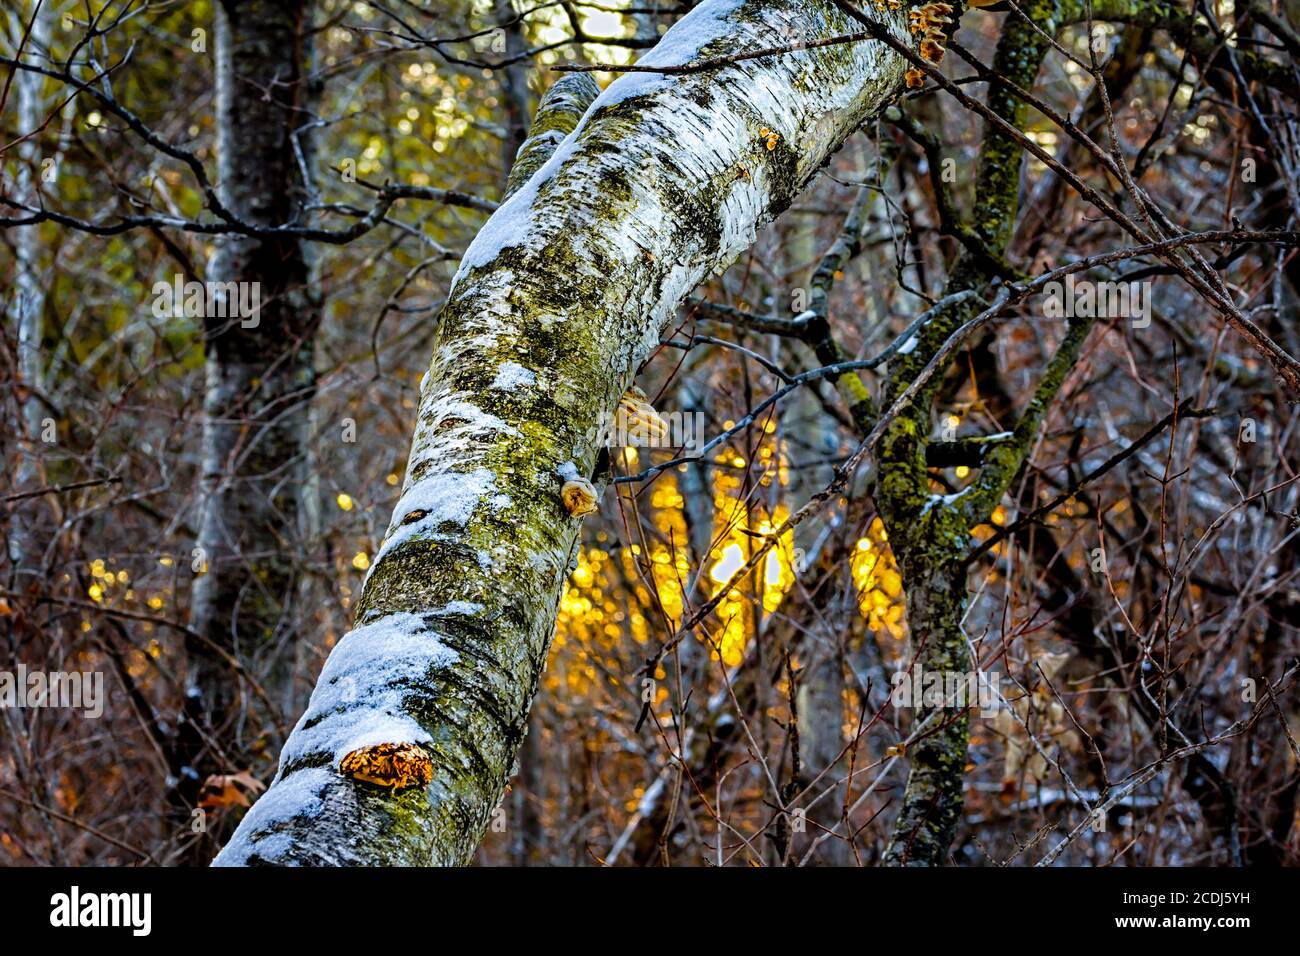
point(636, 422)
point(395, 766)
point(579, 497)
point(930, 22)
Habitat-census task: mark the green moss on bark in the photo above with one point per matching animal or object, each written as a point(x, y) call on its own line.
point(928, 534)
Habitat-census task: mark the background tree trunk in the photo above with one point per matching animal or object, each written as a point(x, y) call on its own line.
point(27, 301)
point(260, 381)
point(515, 100)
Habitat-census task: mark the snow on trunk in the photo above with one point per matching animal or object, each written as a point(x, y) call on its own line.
point(558, 300)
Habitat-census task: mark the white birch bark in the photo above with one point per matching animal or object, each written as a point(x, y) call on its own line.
point(558, 300)
point(27, 303)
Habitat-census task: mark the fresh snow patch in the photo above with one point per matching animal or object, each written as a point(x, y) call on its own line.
point(458, 607)
point(358, 697)
point(293, 797)
point(945, 500)
point(449, 497)
point(512, 375)
point(680, 45)
point(511, 224)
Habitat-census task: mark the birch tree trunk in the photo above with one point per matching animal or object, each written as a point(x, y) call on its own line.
point(27, 305)
point(260, 378)
point(821, 678)
point(557, 302)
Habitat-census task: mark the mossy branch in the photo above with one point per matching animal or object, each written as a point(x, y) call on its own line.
point(951, 221)
point(1003, 459)
point(930, 534)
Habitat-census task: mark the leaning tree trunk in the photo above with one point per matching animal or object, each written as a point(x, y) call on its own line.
point(260, 381)
point(558, 300)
